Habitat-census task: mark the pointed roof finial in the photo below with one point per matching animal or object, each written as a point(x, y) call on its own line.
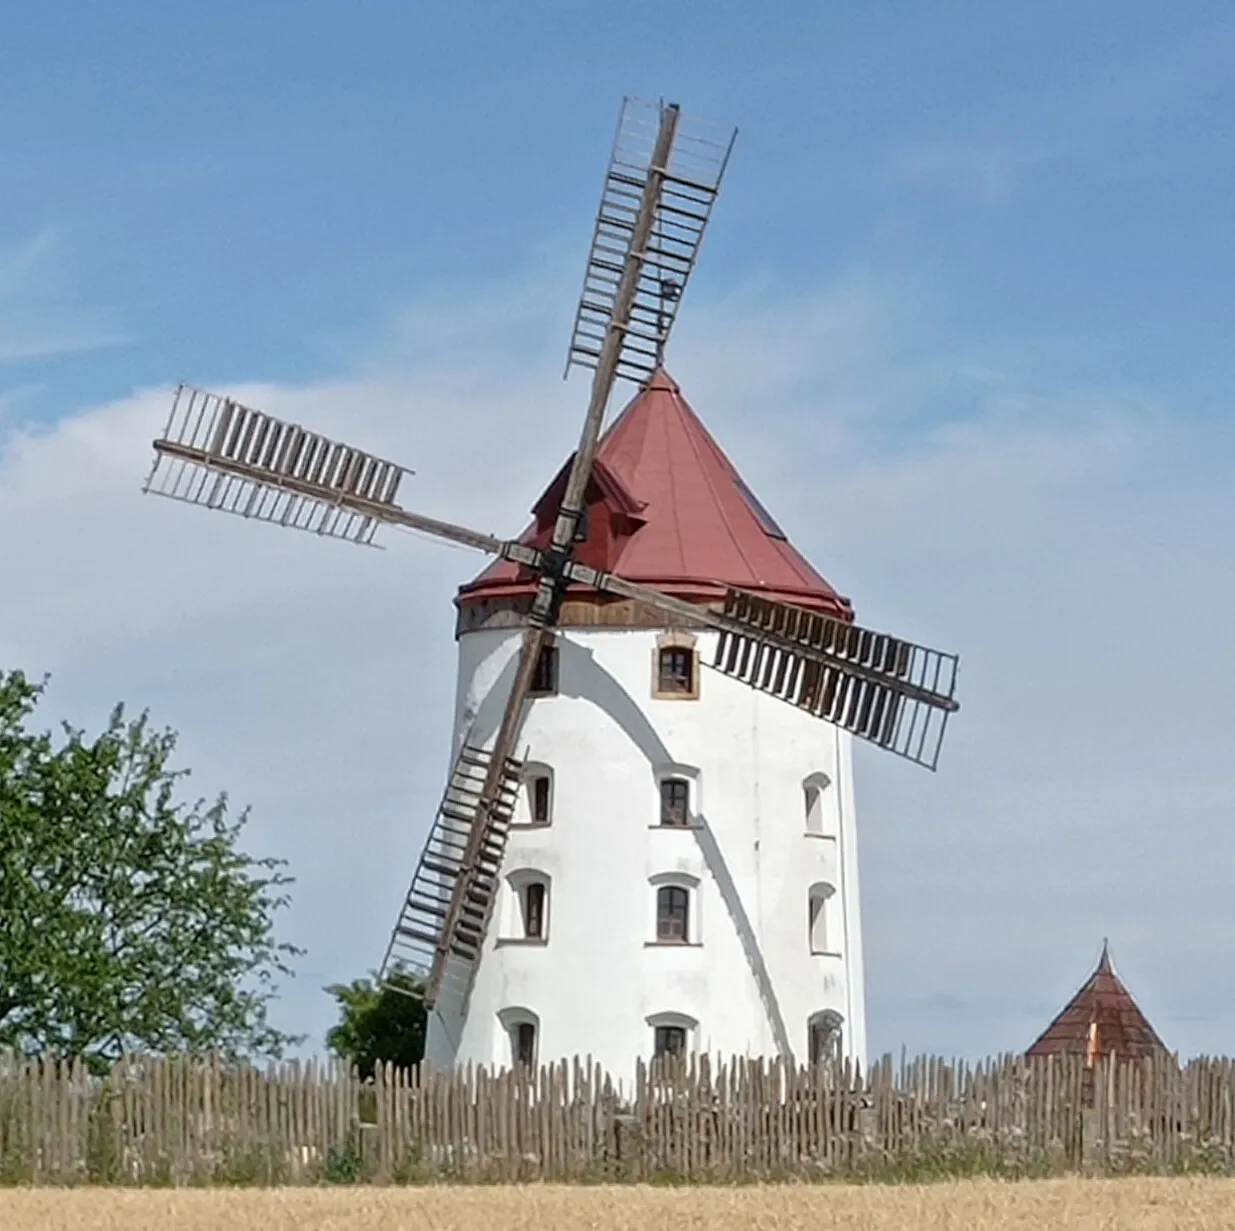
point(1101, 1018)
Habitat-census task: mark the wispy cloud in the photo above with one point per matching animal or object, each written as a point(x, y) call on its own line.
point(1063, 540)
point(989, 174)
point(40, 313)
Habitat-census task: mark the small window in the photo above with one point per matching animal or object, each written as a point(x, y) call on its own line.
point(813, 789)
point(825, 1037)
point(819, 907)
point(532, 901)
point(523, 1044)
point(669, 1040)
point(676, 670)
point(539, 793)
point(673, 915)
point(544, 679)
point(674, 801)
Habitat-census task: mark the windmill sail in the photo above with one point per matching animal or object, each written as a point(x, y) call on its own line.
point(686, 187)
point(889, 692)
point(426, 937)
point(655, 173)
point(220, 454)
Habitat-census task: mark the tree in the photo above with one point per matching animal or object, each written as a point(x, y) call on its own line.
point(128, 921)
point(377, 1025)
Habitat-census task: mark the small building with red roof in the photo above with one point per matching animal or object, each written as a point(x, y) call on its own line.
point(1101, 1020)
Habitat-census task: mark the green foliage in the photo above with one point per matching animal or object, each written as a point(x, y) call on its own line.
point(378, 1025)
point(344, 1165)
point(131, 921)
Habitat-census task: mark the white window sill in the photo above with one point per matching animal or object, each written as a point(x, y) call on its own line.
point(675, 828)
point(825, 953)
point(814, 833)
point(673, 944)
point(530, 825)
point(527, 942)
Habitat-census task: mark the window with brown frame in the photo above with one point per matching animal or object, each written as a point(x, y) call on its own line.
point(532, 900)
point(673, 915)
point(675, 670)
point(674, 801)
point(544, 678)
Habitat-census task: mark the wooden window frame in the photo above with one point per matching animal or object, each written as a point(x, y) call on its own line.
point(669, 786)
point(675, 642)
point(669, 908)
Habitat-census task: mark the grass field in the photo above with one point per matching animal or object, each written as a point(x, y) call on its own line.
point(1042, 1205)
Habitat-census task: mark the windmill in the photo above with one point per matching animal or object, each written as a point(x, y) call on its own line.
point(663, 177)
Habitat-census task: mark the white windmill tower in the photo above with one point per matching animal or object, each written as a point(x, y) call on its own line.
point(671, 863)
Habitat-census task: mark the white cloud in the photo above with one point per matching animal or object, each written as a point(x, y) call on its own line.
point(1068, 544)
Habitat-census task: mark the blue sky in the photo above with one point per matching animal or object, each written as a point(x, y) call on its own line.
point(253, 189)
point(962, 319)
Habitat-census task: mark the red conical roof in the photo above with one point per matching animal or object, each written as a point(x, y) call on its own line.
point(1102, 1019)
point(667, 509)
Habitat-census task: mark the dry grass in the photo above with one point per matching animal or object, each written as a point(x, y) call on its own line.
point(1117, 1205)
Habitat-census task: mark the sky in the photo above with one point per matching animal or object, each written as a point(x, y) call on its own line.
point(962, 319)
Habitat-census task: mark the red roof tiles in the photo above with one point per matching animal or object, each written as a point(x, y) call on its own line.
point(1102, 1019)
point(667, 509)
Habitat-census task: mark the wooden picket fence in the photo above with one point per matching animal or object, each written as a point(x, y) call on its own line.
point(185, 1121)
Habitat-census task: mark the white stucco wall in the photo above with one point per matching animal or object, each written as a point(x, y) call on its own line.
point(750, 980)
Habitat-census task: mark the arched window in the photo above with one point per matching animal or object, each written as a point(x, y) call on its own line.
point(673, 915)
point(527, 919)
point(818, 918)
point(674, 906)
point(814, 790)
point(677, 795)
point(672, 1033)
point(522, 1028)
point(824, 1037)
point(535, 806)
